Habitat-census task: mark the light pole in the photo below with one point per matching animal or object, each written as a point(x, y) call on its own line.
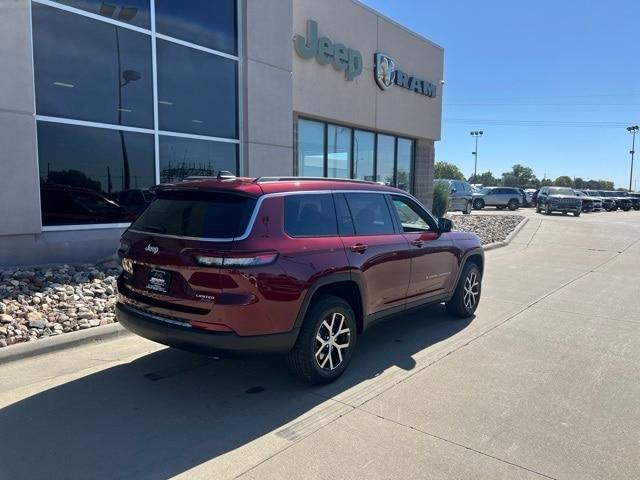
point(632, 130)
point(475, 134)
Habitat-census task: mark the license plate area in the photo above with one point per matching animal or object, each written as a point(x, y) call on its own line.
point(158, 281)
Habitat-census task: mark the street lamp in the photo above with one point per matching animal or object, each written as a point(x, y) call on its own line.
point(632, 130)
point(476, 134)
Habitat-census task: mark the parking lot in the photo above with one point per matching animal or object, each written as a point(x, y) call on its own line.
point(542, 383)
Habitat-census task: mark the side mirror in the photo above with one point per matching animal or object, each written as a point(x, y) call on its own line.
point(445, 225)
point(453, 190)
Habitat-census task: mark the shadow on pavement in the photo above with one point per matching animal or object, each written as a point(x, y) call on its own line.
point(170, 411)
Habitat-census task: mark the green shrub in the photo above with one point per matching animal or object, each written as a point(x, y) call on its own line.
point(440, 199)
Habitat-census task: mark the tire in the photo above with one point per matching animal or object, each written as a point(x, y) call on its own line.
point(513, 205)
point(327, 314)
point(548, 210)
point(636, 208)
point(467, 209)
point(576, 214)
point(464, 305)
point(626, 209)
point(478, 204)
point(538, 209)
point(565, 213)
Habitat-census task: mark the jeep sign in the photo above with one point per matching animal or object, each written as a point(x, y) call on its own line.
point(386, 75)
point(326, 52)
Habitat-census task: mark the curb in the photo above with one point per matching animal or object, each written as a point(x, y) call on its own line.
point(61, 342)
point(510, 237)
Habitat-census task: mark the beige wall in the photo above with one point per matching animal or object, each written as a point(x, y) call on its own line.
point(322, 91)
point(19, 185)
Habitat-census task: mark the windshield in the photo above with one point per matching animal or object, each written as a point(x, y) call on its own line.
point(196, 214)
point(561, 191)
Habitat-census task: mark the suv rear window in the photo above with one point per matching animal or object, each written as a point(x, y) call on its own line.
point(196, 214)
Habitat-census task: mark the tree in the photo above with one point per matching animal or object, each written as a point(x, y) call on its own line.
point(440, 200)
point(546, 182)
point(509, 180)
point(447, 171)
point(487, 179)
point(519, 176)
point(563, 181)
point(579, 183)
point(606, 185)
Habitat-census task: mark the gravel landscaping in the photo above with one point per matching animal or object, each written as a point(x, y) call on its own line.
point(490, 228)
point(40, 302)
point(48, 301)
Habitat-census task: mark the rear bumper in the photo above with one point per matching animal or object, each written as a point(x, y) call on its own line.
point(185, 337)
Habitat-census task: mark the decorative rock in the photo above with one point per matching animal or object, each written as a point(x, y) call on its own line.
point(41, 302)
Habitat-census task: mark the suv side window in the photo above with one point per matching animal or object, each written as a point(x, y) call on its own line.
point(370, 213)
point(310, 215)
point(412, 218)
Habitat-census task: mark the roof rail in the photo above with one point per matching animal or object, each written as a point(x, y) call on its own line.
point(310, 179)
point(222, 175)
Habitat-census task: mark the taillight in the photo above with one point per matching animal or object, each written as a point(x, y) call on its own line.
point(236, 261)
point(125, 245)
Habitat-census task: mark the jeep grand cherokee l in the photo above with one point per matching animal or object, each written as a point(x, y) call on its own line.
point(558, 199)
point(291, 265)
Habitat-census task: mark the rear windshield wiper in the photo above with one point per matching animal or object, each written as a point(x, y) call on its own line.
point(153, 228)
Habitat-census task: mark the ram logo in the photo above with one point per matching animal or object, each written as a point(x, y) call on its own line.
point(385, 71)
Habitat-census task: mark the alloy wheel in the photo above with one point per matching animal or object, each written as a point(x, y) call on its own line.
point(471, 290)
point(332, 338)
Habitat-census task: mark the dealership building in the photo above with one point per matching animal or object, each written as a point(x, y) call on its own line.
point(100, 100)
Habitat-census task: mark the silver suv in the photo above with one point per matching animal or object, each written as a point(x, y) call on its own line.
point(499, 197)
point(460, 195)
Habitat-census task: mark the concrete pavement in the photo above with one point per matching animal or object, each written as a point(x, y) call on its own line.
point(542, 383)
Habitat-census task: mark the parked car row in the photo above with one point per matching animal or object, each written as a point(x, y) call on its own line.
point(591, 200)
point(464, 197)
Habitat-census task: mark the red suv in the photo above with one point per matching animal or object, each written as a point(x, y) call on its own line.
point(291, 265)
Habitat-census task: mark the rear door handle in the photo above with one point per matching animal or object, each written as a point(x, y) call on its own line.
point(417, 243)
point(359, 248)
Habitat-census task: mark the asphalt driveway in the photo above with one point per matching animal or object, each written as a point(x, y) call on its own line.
point(543, 383)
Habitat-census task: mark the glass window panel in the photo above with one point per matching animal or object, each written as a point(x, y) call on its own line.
point(386, 156)
point(93, 175)
point(370, 213)
point(197, 91)
point(208, 23)
point(182, 157)
point(197, 214)
point(363, 151)
point(91, 70)
point(404, 175)
point(338, 152)
point(310, 148)
point(133, 12)
point(310, 215)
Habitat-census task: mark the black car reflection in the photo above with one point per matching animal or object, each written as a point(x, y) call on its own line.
point(66, 205)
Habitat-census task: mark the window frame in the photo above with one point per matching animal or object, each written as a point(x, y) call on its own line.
point(154, 36)
point(375, 134)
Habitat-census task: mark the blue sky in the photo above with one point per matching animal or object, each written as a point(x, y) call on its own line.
point(568, 69)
